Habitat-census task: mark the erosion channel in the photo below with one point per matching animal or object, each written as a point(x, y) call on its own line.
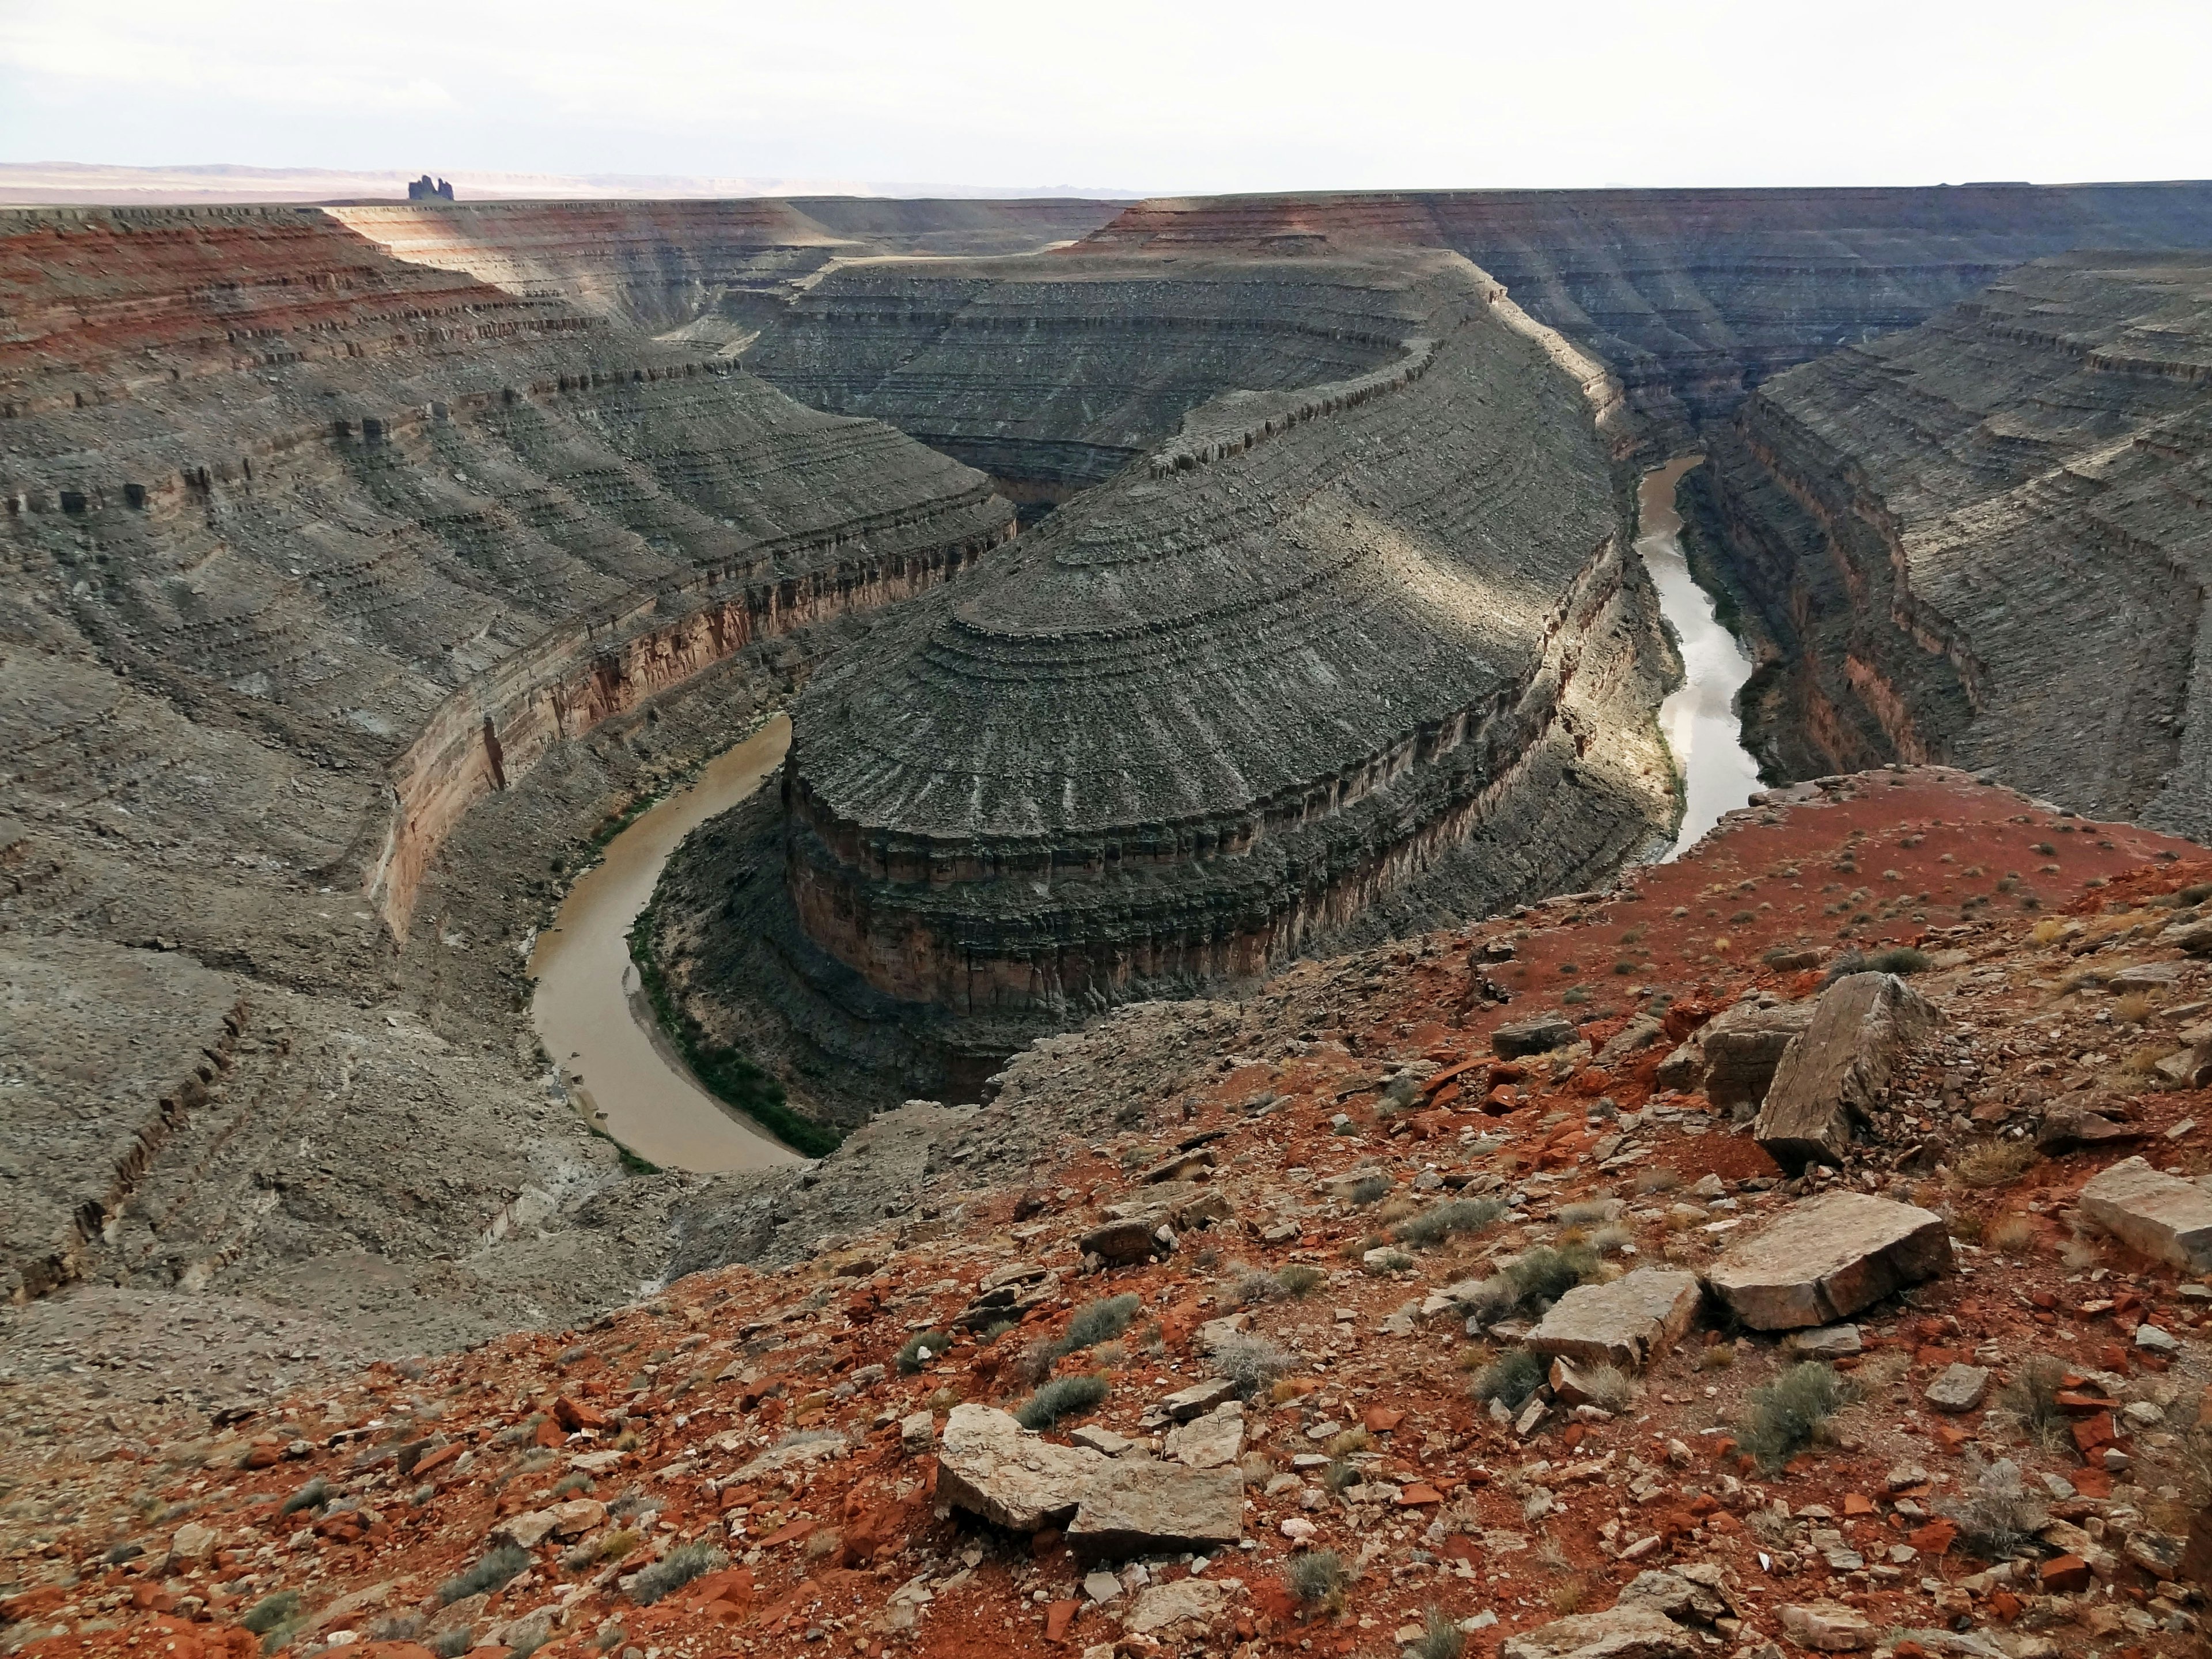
point(590, 1010)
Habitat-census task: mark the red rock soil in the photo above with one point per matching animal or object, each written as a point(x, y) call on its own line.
point(667, 1399)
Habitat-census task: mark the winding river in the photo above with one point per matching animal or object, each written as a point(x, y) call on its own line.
point(590, 1012)
point(1700, 717)
point(602, 1033)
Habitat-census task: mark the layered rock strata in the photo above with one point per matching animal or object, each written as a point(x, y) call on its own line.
point(659, 265)
point(306, 550)
point(1054, 374)
point(1216, 709)
point(1987, 540)
point(1693, 297)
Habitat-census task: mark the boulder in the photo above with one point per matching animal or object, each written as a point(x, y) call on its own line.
point(1827, 1342)
point(527, 1530)
point(1626, 1323)
point(1824, 1259)
point(1958, 1389)
point(1121, 1243)
point(1187, 1602)
point(1199, 1398)
point(1135, 1506)
point(1744, 1045)
point(988, 1465)
point(577, 1516)
point(1834, 1074)
point(1209, 1442)
point(193, 1543)
point(917, 1433)
point(2158, 1214)
point(1828, 1626)
point(2069, 1127)
point(1620, 1632)
point(1517, 1038)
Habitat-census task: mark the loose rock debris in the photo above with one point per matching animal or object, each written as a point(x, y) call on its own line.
point(1296, 1443)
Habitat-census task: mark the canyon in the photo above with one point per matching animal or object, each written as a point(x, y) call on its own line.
point(368, 567)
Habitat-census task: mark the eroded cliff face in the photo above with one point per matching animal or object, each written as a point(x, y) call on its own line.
point(1986, 539)
point(306, 551)
point(1052, 375)
point(1693, 297)
point(1320, 644)
point(658, 266)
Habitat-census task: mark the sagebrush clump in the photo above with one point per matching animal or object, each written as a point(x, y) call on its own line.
point(1781, 1418)
point(1064, 1396)
point(491, 1570)
point(1453, 1216)
point(675, 1570)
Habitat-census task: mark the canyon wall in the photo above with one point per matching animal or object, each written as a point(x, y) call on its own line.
point(1216, 708)
point(1693, 297)
point(657, 266)
point(306, 550)
point(1054, 374)
point(1987, 540)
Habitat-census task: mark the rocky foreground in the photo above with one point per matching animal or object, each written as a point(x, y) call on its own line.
point(1643, 1274)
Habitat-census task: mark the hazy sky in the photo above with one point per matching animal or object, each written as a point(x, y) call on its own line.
point(1192, 96)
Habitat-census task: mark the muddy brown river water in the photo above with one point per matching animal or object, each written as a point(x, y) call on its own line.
point(590, 1012)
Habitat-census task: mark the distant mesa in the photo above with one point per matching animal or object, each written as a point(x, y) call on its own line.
point(427, 189)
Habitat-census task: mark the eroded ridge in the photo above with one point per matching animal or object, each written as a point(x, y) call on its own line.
point(1205, 717)
point(1692, 297)
point(306, 551)
point(1987, 539)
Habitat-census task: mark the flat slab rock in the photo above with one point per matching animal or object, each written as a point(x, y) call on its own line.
point(1827, 1257)
point(1519, 1038)
point(2147, 1210)
point(988, 1465)
point(1834, 1074)
point(1137, 1505)
point(1828, 1626)
point(1628, 1323)
point(1619, 1632)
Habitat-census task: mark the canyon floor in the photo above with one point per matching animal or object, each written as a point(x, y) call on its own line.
point(785, 1456)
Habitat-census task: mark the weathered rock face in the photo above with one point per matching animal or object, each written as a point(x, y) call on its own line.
point(1628, 1323)
point(2163, 1216)
point(662, 265)
point(988, 1465)
point(1053, 374)
point(1836, 1074)
point(1983, 540)
point(1322, 644)
point(1828, 1257)
point(1693, 297)
point(1733, 1057)
point(309, 552)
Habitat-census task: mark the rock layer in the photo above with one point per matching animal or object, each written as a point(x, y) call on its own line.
point(306, 551)
point(660, 266)
point(1985, 540)
point(1692, 297)
point(1210, 712)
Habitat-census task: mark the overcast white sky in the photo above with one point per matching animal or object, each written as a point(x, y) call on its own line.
point(1188, 96)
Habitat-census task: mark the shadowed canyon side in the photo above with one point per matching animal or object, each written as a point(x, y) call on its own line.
point(1988, 540)
point(308, 552)
point(659, 265)
point(1325, 641)
point(1692, 297)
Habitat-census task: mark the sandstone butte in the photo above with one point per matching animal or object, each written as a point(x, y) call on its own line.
point(363, 575)
point(754, 1458)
